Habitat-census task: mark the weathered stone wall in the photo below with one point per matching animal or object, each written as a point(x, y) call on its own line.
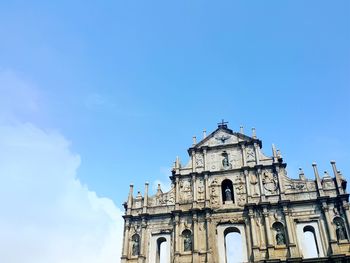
point(230, 185)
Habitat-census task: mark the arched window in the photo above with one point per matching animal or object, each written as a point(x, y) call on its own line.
point(233, 245)
point(161, 250)
point(309, 243)
point(227, 191)
point(280, 234)
point(135, 245)
point(187, 240)
point(340, 229)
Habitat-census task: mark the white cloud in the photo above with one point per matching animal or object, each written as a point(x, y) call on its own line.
point(46, 214)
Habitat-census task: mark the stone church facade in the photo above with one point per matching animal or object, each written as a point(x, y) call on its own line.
point(230, 186)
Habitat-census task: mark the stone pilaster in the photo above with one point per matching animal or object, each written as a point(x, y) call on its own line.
point(206, 185)
point(257, 153)
point(144, 241)
point(254, 236)
point(194, 190)
point(244, 155)
point(347, 212)
point(195, 238)
point(177, 237)
point(270, 246)
point(331, 235)
point(293, 250)
point(145, 200)
point(125, 252)
point(177, 193)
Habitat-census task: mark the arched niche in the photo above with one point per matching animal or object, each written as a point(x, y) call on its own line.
point(340, 229)
point(279, 233)
point(135, 247)
point(227, 191)
point(187, 241)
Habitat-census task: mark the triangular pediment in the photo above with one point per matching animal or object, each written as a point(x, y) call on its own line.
point(222, 136)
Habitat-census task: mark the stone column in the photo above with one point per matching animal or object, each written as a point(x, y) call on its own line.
point(270, 243)
point(177, 193)
point(261, 187)
point(347, 212)
point(293, 250)
point(195, 237)
point(130, 199)
point(337, 178)
point(193, 157)
point(142, 257)
point(254, 235)
point(206, 185)
point(247, 184)
point(177, 237)
point(205, 159)
point(257, 155)
point(280, 181)
point(318, 180)
point(244, 158)
point(145, 200)
point(194, 190)
point(325, 209)
point(253, 227)
point(330, 230)
point(208, 237)
point(125, 253)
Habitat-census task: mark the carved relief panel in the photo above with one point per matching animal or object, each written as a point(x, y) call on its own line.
point(254, 184)
point(200, 190)
point(186, 191)
point(240, 190)
point(270, 182)
point(214, 193)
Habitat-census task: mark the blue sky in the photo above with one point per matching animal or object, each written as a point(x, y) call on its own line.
point(128, 83)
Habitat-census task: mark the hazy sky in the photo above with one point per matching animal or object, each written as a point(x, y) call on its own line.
point(111, 92)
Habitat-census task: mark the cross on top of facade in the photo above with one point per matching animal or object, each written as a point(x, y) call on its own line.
point(222, 124)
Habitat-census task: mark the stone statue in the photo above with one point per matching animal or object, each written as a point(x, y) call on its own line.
point(187, 242)
point(228, 194)
point(340, 231)
point(280, 238)
point(225, 162)
point(136, 246)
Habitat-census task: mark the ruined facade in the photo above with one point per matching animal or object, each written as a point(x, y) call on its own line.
point(230, 186)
